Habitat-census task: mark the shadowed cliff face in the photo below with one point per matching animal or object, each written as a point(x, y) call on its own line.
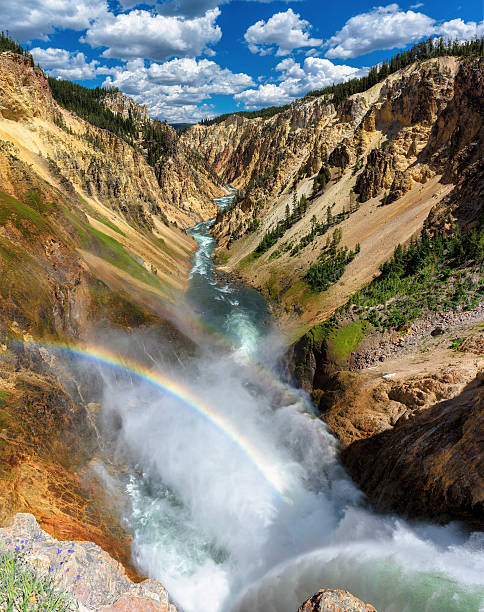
point(429, 465)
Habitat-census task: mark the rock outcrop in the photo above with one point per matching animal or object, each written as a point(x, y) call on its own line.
point(430, 463)
point(334, 600)
point(95, 580)
point(411, 435)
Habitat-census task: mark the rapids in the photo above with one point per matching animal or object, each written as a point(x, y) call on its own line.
point(220, 536)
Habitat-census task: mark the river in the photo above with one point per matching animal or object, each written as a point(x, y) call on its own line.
point(238, 502)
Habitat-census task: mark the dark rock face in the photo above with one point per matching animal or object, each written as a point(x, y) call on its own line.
point(334, 600)
point(340, 156)
point(430, 465)
point(377, 174)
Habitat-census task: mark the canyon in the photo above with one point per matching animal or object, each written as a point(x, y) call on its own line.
point(94, 250)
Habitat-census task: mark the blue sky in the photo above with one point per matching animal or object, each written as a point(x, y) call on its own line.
point(190, 59)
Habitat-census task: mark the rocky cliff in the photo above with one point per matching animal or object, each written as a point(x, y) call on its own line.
point(88, 238)
point(94, 162)
point(407, 408)
point(407, 147)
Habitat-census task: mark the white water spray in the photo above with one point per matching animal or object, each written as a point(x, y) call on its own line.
point(213, 530)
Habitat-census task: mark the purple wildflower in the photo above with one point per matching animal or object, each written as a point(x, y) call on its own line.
point(70, 551)
point(78, 576)
point(51, 569)
point(59, 550)
point(67, 569)
point(17, 548)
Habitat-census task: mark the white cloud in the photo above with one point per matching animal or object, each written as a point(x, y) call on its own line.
point(384, 27)
point(174, 90)
point(283, 32)
point(388, 27)
point(460, 30)
point(38, 18)
point(142, 34)
point(295, 80)
point(68, 64)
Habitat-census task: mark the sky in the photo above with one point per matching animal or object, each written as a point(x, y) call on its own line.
point(193, 59)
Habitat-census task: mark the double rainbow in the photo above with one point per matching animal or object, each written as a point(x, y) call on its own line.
point(176, 390)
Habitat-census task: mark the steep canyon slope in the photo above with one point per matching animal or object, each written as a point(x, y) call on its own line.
point(389, 337)
point(408, 146)
point(90, 235)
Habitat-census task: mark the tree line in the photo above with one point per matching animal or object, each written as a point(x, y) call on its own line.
point(299, 208)
point(427, 49)
point(331, 263)
point(436, 273)
point(265, 113)
point(421, 51)
point(7, 43)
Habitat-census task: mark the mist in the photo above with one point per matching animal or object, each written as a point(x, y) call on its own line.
point(219, 536)
point(208, 521)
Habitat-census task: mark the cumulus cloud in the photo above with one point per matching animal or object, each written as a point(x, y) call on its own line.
point(174, 90)
point(68, 64)
point(296, 79)
point(142, 34)
point(39, 18)
point(460, 30)
point(388, 27)
point(282, 33)
point(384, 27)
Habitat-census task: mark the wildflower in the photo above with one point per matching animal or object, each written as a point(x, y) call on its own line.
point(70, 551)
point(51, 569)
point(17, 548)
point(38, 537)
point(67, 569)
point(59, 550)
point(78, 576)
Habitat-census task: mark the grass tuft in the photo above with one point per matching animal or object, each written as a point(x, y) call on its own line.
point(24, 589)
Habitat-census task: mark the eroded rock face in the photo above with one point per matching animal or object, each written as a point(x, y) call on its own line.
point(96, 162)
point(386, 144)
point(88, 573)
point(430, 464)
point(24, 91)
point(334, 600)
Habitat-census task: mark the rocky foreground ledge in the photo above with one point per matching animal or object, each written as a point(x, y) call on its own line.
point(94, 579)
point(99, 583)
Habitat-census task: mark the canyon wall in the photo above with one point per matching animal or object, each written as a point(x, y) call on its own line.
point(409, 147)
point(91, 236)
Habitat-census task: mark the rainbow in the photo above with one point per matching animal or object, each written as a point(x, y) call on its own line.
point(176, 390)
